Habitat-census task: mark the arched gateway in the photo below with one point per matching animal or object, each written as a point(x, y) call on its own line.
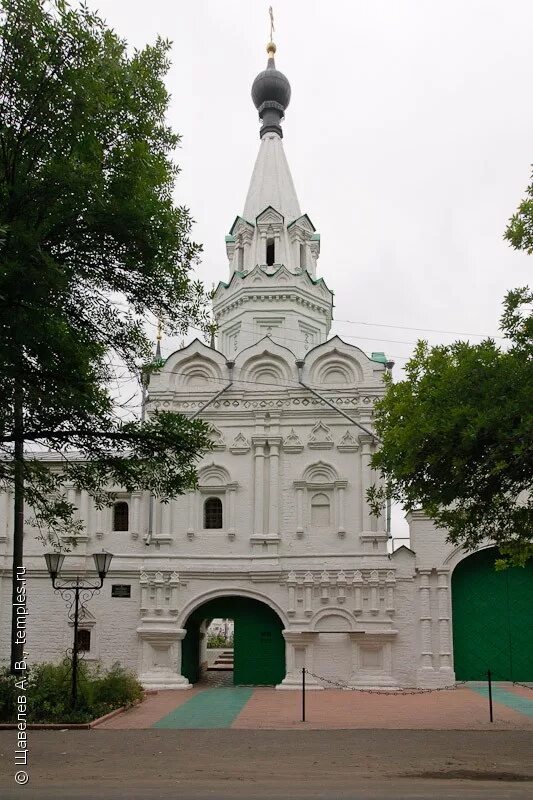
point(492, 619)
point(259, 647)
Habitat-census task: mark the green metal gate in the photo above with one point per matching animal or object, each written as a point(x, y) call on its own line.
point(492, 619)
point(259, 647)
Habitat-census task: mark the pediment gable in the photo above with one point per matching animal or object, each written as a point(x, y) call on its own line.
point(302, 222)
point(270, 216)
point(239, 226)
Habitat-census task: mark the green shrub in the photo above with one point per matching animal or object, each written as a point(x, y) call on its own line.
point(116, 688)
point(218, 640)
point(8, 696)
point(49, 692)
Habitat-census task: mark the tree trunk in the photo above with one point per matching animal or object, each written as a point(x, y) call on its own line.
point(17, 646)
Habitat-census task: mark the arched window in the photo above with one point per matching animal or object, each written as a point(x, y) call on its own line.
point(213, 512)
point(320, 510)
point(84, 640)
point(270, 252)
point(121, 516)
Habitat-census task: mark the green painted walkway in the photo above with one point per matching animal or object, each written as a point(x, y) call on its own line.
point(212, 708)
point(517, 702)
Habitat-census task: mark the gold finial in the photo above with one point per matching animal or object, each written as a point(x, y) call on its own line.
point(271, 47)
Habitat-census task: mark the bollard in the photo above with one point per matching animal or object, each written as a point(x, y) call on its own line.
point(489, 678)
point(303, 694)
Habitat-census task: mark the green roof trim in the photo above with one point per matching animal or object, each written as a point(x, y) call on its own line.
point(242, 274)
point(230, 238)
point(381, 358)
point(315, 237)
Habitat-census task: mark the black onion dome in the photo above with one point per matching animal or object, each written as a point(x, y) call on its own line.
point(271, 93)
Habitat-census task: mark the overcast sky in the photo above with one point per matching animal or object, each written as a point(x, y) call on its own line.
point(409, 135)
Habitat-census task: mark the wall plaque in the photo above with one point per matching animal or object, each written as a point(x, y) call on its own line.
point(121, 590)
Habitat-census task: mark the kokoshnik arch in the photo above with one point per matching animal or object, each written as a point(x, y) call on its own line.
point(279, 535)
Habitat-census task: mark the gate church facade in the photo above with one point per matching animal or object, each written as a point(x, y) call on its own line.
point(279, 535)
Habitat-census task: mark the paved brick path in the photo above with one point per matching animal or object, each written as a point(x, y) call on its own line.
point(464, 708)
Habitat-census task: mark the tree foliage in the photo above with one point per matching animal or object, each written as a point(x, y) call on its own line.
point(520, 229)
point(91, 243)
point(457, 436)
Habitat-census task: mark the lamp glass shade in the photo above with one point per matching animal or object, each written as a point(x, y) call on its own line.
point(102, 562)
point(54, 562)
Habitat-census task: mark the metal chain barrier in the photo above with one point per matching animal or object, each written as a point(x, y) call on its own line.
point(524, 685)
point(407, 691)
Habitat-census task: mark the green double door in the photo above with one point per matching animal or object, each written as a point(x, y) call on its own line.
point(258, 646)
point(492, 619)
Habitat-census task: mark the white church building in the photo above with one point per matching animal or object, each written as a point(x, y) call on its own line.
point(278, 536)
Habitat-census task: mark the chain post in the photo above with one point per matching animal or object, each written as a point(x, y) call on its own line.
point(489, 678)
point(303, 694)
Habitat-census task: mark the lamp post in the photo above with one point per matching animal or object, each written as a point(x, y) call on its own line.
point(71, 592)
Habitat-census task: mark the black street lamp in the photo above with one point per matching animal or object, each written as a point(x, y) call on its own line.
point(71, 593)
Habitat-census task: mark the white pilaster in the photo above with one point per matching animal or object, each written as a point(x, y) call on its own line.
point(231, 511)
point(191, 502)
point(366, 481)
point(299, 511)
point(443, 578)
point(273, 514)
point(259, 486)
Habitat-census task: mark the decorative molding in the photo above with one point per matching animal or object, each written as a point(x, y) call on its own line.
point(218, 438)
point(348, 443)
point(292, 443)
point(320, 438)
point(240, 444)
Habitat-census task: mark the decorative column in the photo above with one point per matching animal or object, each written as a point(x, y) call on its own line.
point(144, 583)
point(426, 670)
point(357, 582)
point(191, 502)
point(99, 522)
point(232, 488)
point(166, 518)
point(159, 584)
point(135, 526)
point(308, 593)
point(159, 636)
point(373, 581)
point(174, 584)
point(273, 512)
point(341, 487)
point(247, 238)
point(85, 511)
point(324, 587)
point(259, 486)
point(300, 487)
point(341, 587)
point(381, 523)
point(262, 248)
point(390, 583)
point(71, 496)
point(366, 480)
point(445, 662)
point(291, 585)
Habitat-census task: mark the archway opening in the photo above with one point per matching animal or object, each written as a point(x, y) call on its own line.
point(258, 644)
point(492, 619)
point(216, 652)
